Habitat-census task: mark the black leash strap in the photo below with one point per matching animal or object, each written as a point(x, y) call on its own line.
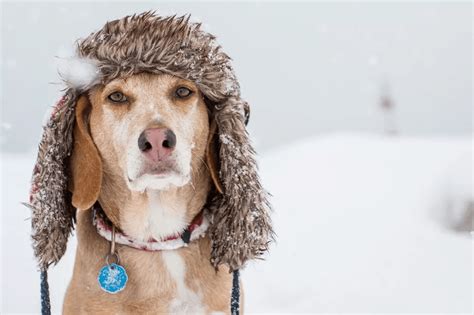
point(45, 303)
point(234, 298)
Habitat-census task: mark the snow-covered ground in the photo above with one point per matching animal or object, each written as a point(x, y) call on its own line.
point(365, 224)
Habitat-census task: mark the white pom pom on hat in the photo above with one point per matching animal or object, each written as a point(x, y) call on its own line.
point(78, 73)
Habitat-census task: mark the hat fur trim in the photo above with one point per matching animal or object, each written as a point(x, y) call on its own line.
point(156, 44)
point(50, 201)
point(240, 228)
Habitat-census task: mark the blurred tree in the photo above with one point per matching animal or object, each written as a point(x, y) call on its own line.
point(387, 106)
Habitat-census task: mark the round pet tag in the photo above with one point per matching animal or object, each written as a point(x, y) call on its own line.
point(112, 278)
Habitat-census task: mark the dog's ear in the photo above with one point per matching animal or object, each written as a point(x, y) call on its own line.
point(212, 156)
point(240, 223)
point(85, 163)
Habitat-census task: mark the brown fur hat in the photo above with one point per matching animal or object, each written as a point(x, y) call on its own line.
point(240, 225)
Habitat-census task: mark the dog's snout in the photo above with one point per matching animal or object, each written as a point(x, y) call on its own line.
point(157, 143)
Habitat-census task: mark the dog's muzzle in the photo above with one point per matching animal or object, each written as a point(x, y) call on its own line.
point(157, 144)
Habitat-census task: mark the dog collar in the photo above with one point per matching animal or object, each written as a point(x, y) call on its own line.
point(195, 230)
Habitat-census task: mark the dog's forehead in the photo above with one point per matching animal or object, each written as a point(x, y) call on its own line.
point(149, 82)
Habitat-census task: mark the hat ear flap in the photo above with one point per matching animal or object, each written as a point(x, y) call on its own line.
point(85, 163)
point(50, 201)
point(240, 223)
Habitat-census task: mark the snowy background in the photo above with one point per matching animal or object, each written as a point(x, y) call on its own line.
point(372, 204)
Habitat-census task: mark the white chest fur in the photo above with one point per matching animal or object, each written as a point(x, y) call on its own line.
point(159, 217)
point(185, 301)
point(165, 218)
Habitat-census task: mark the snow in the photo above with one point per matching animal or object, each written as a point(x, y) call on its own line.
point(360, 220)
point(356, 228)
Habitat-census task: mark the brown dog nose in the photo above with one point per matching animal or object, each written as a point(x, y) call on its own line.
point(157, 143)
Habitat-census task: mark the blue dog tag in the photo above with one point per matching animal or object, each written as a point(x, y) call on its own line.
point(112, 278)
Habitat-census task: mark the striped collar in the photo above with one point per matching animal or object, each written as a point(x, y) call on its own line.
point(194, 231)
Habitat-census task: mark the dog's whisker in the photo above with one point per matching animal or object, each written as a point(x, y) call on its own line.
point(205, 164)
point(193, 176)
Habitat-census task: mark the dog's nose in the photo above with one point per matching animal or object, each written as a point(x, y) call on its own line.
point(157, 143)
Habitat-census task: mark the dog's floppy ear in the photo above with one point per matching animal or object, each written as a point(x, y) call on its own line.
point(85, 162)
point(240, 223)
point(212, 156)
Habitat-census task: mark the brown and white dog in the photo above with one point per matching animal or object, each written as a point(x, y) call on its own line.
point(149, 192)
point(149, 141)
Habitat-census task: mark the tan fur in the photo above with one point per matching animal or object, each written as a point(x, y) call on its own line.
point(212, 157)
point(85, 160)
point(150, 288)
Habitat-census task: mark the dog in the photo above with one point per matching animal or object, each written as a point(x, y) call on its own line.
point(148, 194)
point(148, 155)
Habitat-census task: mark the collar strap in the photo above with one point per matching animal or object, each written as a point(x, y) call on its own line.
point(195, 230)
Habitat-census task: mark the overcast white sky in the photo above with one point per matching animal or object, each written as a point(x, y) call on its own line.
point(306, 68)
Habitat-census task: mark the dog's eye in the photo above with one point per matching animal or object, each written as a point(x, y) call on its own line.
point(117, 97)
point(183, 92)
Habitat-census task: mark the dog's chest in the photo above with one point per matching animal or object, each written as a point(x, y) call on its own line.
point(186, 300)
point(176, 281)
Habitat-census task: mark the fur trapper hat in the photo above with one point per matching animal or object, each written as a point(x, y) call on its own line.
point(240, 227)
